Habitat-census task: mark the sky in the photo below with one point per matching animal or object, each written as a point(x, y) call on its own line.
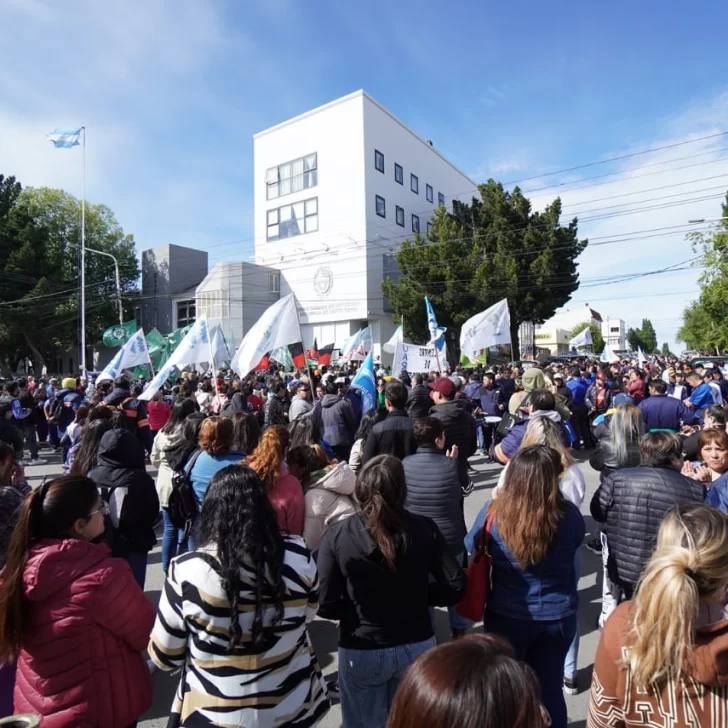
point(172, 91)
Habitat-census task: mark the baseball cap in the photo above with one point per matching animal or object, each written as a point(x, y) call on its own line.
point(69, 383)
point(558, 375)
point(671, 372)
point(444, 386)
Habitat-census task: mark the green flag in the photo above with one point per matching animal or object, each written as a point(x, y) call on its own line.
point(118, 335)
point(175, 338)
point(481, 358)
point(155, 342)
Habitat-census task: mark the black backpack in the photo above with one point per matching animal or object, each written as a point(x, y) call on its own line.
point(54, 409)
point(182, 508)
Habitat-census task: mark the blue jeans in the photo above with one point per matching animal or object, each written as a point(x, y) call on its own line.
point(543, 646)
point(138, 562)
point(173, 542)
point(572, 656)
point(368, 680)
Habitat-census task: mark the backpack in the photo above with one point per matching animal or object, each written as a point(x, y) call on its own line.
point(182, 508)
point(54, 409)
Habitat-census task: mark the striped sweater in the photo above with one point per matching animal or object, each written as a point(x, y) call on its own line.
point(279, 684)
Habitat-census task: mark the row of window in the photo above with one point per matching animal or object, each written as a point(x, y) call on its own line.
point(290, 177)
point(292, 220)
point(414, 179)
point(380, 205)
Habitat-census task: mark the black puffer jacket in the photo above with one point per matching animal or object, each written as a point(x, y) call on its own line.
point(633, 502)
point(122, 478)
point(392, 436)
point(338, 421)
point(459, 430)
point(433, 490)
point(419, 402)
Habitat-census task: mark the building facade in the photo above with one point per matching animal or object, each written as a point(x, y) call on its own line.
point(337, 190)
point(555, 333)
point(614, 333)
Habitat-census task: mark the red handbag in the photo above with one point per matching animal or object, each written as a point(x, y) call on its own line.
point(472, 605)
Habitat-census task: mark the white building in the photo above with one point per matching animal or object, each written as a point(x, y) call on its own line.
point(336, 190)
point(614, 333)
point(555, 333)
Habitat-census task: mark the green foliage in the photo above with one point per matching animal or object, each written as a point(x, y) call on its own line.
point(596, 334)
point(486, 250)
point(643, 338)
point(666, 349)
point(705, 321)
point(39, 270)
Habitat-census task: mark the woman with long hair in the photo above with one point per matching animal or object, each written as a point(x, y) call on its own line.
point(328, 488)
point(472, 682)
point(246, 432)
point(167, 438)
point(86, 458)
point(661, 657)
point(234, 613)
point(72, 616)
point(284, 490)
point(362, 435)
point(306, 431)
point(534, 533)
point(381, 569)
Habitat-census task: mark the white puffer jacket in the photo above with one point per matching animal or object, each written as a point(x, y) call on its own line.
point(159, 460)
point(327, 500)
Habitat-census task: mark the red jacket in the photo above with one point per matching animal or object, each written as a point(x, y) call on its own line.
point(87, 623)
point(636, 390)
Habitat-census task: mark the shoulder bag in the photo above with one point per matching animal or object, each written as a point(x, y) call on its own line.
point(472, 606)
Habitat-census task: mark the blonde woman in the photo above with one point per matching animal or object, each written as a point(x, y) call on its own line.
point(661, 658)
point(543, 431)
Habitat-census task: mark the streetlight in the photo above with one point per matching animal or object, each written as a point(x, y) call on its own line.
point(708, 219)
point(116, 271)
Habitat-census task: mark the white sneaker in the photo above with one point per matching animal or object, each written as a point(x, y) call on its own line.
point(38, 461)
point(26, 461)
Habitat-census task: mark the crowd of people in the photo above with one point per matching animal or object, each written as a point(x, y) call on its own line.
point(277, 499)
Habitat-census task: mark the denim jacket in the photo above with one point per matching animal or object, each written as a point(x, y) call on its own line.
point(542, 592)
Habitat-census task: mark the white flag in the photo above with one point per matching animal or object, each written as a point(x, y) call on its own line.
point(608, 355)
point(131, 355)
point(397, 338)
point(355, 348)
point(487, 328)
point(193, 349)
point(220, 351)
point(583, 338)
point(278, 326)
point(641, 361)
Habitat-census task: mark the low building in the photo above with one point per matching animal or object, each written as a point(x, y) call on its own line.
point(614, 333)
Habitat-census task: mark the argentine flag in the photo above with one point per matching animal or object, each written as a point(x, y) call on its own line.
point(64, 138)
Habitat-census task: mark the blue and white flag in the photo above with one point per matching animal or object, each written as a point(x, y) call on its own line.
point(220, 350)
point(608, 355)
point(64, 138)
point(131, 355)
point(436, 332)
point(356, 346)
point(365, 382)
point(583, 338)
point(193, 349)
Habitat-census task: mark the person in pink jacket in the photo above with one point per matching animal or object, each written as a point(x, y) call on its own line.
point(285, 491)
point(73, 616)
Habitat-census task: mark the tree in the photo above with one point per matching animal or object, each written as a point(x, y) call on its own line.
point(666, 349)
point(634, 339)
point(492, 248)
point(596, 334)
point(648, 336)
point(39, 271)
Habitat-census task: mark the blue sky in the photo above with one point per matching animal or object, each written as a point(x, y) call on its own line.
point(172, 92)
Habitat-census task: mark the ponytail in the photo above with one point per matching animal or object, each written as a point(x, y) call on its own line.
point(11, 590)
point(689, 562)
point(48, 512)
point(381, 491)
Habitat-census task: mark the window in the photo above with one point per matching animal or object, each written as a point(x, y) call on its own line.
point(398, 174)
point(441, 199)
point(415, 223)
point(285, 179)
point(185, 313)
point(429, 228)
point(414, 184)
point(274, 282)
point(428, 192)
point(399, 215)
point(381, 206)
point(292, 220)
point(614, 329)
point(378, 161)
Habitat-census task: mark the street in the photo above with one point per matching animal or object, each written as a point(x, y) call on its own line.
point(324, 633)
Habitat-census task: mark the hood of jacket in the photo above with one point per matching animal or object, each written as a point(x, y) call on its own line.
point(552, 415)
point(337, 477)
point(533, 379)
point(54, 563)
point(117, 396)
point(329, 400)
point(120, 449)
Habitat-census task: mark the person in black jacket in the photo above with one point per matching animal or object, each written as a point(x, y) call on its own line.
point(419, 401)
point(633, 501)
point(135, 411)
point(132, 497)
point(459, 425)
point(375, 570)
point(395, 434)
point(433, 490)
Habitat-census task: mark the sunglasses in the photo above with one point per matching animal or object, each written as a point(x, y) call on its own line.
point(103, 509)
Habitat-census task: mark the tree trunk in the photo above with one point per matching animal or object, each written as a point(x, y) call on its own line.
point(38, 359)
point(515, 343)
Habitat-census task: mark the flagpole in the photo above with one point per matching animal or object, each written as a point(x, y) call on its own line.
point(300, 333)
point(83, 251)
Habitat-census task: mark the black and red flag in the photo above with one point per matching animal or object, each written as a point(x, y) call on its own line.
point(312, 353)
point(324, 355)
point(297, 356)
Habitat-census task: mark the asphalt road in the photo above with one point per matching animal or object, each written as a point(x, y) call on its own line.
point(324, 633)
